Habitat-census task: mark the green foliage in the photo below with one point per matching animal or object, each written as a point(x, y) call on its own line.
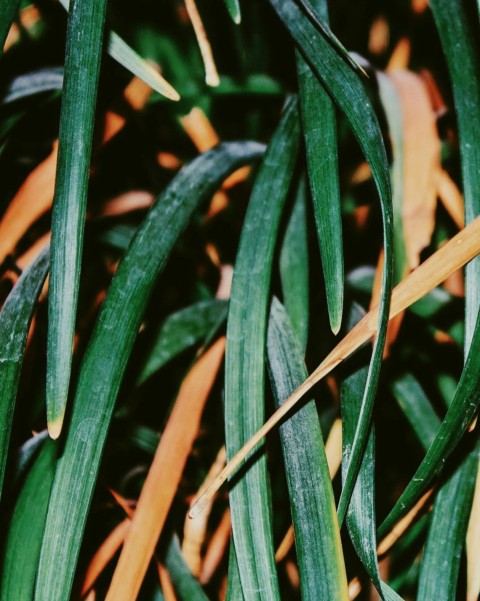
point(137, 293)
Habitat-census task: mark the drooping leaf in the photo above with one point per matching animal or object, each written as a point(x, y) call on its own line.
point(82, 68)
point(317, 535)
point(346, 89)
point(181, 331)
point(107, 355)
point(294, 267)
point(245, 358)
point(24, 535)
point(15, 320)
point(320, 135)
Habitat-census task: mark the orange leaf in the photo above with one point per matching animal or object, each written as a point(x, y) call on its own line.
point(421, 163)
point(164, 475)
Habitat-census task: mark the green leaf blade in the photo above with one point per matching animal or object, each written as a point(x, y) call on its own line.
point(320, 136)
point(181, 331)
point(446, 537)
point(245, 358)
point(108, 353)
point(317, 535)
point(15, 319)
point(24, 534)
point(82, 68)
point(233, 7)
point(294, 267)
point(344, 86)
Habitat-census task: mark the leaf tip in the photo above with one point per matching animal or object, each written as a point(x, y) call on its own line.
point(54, 427)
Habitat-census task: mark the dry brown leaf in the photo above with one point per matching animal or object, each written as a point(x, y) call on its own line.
point(134, 200)
point(199, 129)
point(461, 249)
point(33, 199)
point(419, 6)
point(194, 531)
point(211, 73)
point(400, 57)
point(379, 36)
point(473, 546)
point(164, 475)
point(105, 554)
point(451, 197)
point(28, 17)
point(216, 549)
point(166, 583)
point(421, 163)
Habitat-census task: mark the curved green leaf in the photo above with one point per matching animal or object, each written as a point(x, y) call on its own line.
point(107, 355)
point(317, 535)
point(15, 320)
point(82, 68)
point(461, 411)
point(348, 92)
point(245, 358)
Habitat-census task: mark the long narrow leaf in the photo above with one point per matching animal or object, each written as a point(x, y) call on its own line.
point(317, 535)
point(24, 535)
point(417, 409)
point(108, 353)
point(245, 358)
point(361, 517)
point(446, 537)
point(294, 267)
point(462, 50)
point(164, 475)
point(346, 89)
point(15, 320)
point(82, 68)
point(320, 135)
